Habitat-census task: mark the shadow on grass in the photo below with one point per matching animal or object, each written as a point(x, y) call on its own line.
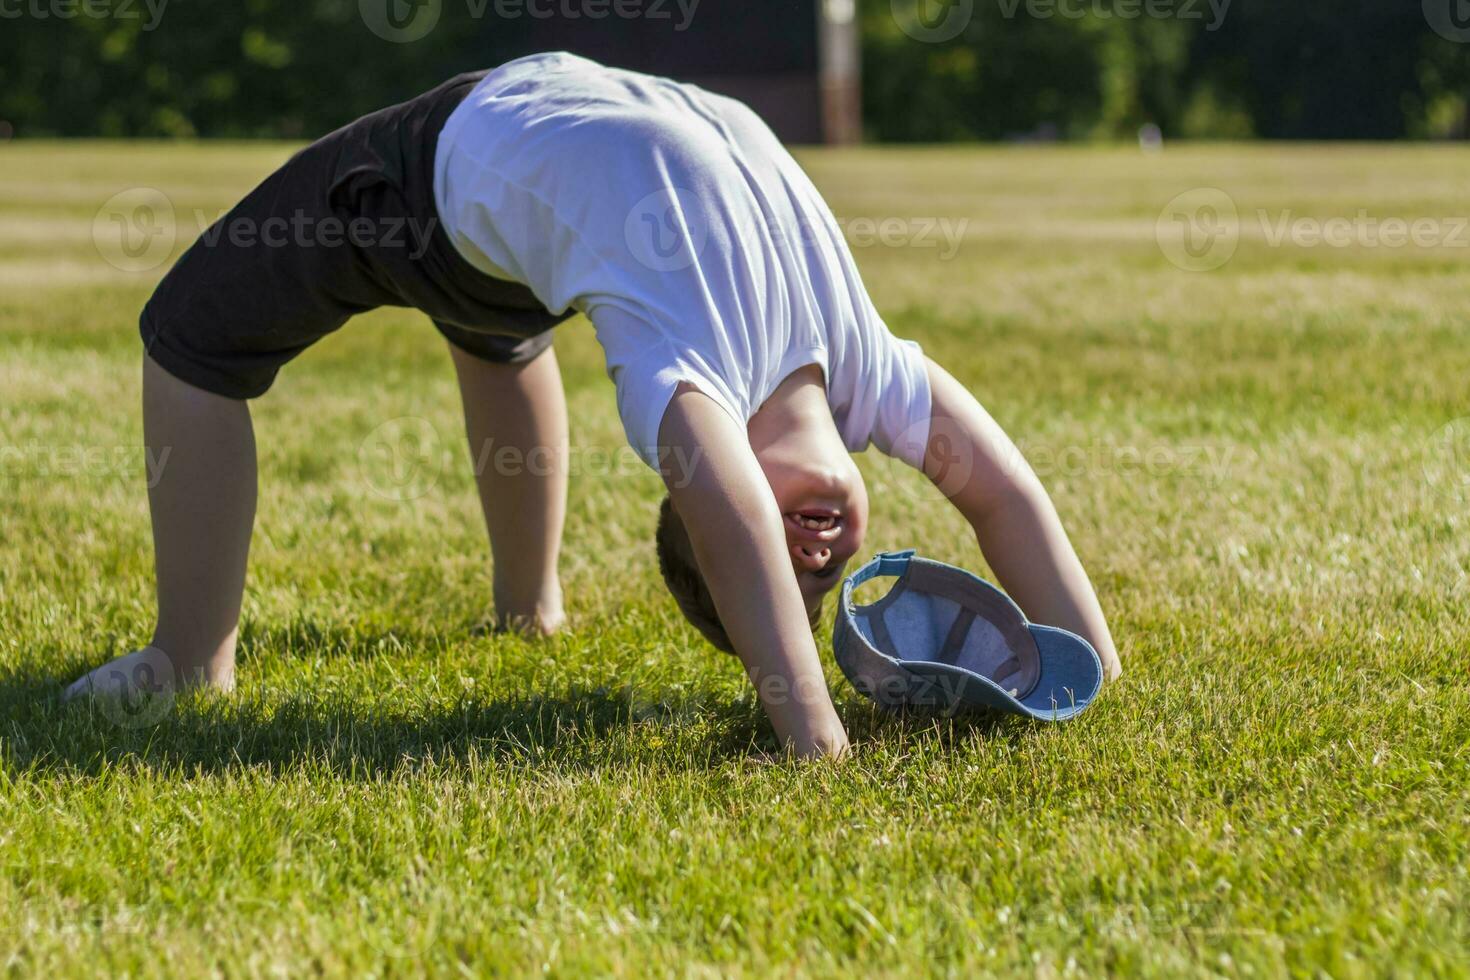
point(361, 735)
point(360, 640)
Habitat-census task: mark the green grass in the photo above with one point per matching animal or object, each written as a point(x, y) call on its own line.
point(1253, 464)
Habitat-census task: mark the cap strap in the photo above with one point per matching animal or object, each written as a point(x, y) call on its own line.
point(882, 639)
point(884, 563)
point(954, 641)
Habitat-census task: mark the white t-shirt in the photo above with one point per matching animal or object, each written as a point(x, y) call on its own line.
point(678, 223)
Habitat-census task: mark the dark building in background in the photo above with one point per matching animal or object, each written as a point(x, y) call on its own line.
point(796, 62)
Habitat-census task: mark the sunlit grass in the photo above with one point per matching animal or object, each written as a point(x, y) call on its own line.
point(1258, 465)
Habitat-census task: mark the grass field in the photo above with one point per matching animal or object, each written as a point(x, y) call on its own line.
point(1263, 465)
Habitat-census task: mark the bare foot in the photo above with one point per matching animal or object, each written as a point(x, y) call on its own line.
point(530, 613)
point(542, 622)
point(144, 672)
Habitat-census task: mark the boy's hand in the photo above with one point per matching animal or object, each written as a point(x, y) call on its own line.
point(735, 528)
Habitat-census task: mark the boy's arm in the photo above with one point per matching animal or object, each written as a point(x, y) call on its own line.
point(981, 471)
point(726, 505)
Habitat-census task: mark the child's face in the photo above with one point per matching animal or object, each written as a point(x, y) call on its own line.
point(823, 502)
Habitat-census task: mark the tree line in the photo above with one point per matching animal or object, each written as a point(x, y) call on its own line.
point(933, 70)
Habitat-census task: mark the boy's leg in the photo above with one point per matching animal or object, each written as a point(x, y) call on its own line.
point(516, 418)
point(203, 509)
point(236, 307)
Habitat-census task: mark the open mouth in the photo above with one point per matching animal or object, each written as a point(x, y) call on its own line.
point(815, 524)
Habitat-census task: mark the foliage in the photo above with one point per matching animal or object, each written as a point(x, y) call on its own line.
point(1018, 69)
point(1101, 68)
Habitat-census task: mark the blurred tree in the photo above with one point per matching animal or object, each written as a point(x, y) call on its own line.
point(1308, 69)
point(933, 69)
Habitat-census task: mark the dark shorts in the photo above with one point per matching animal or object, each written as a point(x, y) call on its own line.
point(347, 225)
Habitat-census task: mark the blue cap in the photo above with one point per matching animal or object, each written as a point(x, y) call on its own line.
point(944, 638)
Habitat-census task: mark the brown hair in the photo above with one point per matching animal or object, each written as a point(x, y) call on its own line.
point(686, 584)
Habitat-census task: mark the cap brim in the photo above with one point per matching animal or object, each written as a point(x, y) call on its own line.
point(1071, 676)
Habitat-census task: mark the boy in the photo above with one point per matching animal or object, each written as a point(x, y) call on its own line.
point(747, 357)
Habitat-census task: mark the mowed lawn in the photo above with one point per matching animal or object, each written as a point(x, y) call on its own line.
point(1263, 465)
